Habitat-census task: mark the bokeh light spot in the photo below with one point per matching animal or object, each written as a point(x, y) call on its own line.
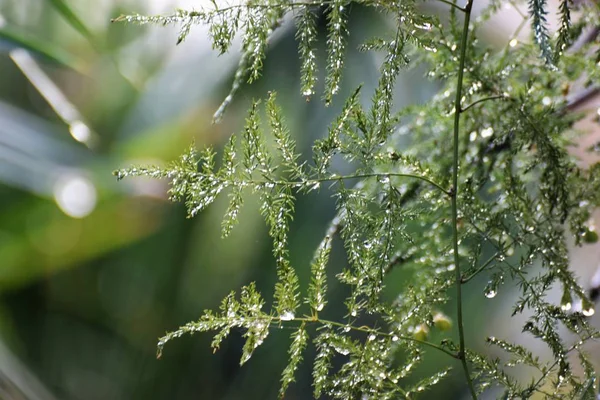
point(75, 195)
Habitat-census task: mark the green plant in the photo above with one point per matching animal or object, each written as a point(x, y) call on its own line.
point(500, 125)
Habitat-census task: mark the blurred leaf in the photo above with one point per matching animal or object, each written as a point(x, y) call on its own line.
point(51, 242)
point(44, 49)
point(68, 14)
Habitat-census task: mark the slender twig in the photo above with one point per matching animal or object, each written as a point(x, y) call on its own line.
point(395, 260)
point(367, 329)
point(378, 175)
point(452, 5)
point(481, 101)
point(518, 10)
point(454, 197)
point(481, 268)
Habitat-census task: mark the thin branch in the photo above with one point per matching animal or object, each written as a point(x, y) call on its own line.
point(370, 330)
point(481, 101)
point(518, 10)
point(454, 197)
point(382, 175)
point(481, 268)
point(452, 5)
point(396, 259)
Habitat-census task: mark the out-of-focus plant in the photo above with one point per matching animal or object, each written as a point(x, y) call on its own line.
point(487, 172)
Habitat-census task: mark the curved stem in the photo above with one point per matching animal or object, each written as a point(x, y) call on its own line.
point(483, 266)
point(315, 181)
point(454, 196)
point(370, 330)
point(481, 101)
point(451, 4)
point(384, 175)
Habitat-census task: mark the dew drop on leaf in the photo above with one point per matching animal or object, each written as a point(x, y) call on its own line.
point(287, 316)
point(588, 312)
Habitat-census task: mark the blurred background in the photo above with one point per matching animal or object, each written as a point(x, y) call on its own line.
point(93, 271)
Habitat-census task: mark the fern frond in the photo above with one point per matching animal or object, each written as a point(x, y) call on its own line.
point(306, 35)
point(336, 46)
point(538, 11)
point(564, 29)
point(283, 140)
point(299, 339)
point(318, 282)
point(324, 149)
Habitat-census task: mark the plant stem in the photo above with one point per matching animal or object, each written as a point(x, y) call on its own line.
point(481, 101)
point(452, 5)
point(374, 332)
point(454, 197)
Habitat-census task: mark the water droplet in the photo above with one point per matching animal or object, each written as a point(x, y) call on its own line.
point(426, 26)
point(490, 294)
point(566, 306)
point(487, 132)
point(372, 336)
point(394, 338)
point(513, 43)
point(383, 179)
point(342, 350)
point(588, 312)
point(287, 316)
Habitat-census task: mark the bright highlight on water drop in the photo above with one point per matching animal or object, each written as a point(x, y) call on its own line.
point(588, 312)
point(287, 316)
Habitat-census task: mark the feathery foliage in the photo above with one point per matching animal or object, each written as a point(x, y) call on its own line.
point(486, 192)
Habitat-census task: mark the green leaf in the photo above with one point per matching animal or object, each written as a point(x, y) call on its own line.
point(69, 15)
point(43, 49)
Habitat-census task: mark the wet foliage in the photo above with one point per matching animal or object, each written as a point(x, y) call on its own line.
point(487, 172)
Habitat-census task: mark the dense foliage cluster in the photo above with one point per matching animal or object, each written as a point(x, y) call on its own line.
point(487, 172)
